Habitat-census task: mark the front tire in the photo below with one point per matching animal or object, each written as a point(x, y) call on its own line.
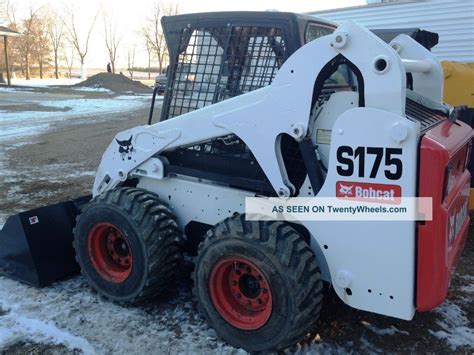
point(128, 245)
point(258, 284)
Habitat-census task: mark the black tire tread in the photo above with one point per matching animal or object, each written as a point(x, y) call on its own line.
point(159, 231)
point(283, 242)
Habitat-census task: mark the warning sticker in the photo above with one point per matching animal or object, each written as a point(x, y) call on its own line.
point(323, 136)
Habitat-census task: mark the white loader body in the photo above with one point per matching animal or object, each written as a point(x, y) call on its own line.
point(375, 260)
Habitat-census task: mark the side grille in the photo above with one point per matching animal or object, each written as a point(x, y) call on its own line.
point(427, 117)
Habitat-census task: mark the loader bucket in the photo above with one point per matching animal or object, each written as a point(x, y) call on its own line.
point(36, 245)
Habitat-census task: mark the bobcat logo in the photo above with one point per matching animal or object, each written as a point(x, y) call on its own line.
point(346, 190)
point(126, 148)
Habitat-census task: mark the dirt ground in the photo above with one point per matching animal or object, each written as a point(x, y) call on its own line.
point(60, 163)
point(72, 150)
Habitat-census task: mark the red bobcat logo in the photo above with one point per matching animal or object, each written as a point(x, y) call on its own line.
point(346, 190)
point(362, 191)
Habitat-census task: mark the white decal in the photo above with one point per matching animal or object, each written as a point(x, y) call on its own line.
point(345, 190)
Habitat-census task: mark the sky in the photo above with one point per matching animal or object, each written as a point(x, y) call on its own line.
point(131, 15)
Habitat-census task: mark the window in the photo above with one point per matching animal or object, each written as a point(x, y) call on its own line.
point(316, 30)
point(342, 76)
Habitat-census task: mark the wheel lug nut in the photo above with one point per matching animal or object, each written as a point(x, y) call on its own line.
point(259, 277)
point(264, 290)
point(259, 301)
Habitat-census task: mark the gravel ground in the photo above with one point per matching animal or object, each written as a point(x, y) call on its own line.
point(68, 317)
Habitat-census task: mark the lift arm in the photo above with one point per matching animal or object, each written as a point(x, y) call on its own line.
point(260, 117)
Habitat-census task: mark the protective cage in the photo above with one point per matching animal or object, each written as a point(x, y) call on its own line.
point(216, 56)
point(222, 62)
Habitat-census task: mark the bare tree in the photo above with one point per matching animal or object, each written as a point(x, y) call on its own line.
point(33, 44)
point(149, 50)
point(16, 56)
point(3, 10)
point(68, 55)
point(131, 61)
point(11, 9)
point(154, 34)
point(28, 39)
point(80, 44)
point(149, 47)
point(112, 37)
point(55, 29)
point(41, 42)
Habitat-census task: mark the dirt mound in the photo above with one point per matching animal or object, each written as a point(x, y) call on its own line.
point(117, 83)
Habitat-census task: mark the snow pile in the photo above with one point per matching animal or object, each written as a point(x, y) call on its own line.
point(114, 82)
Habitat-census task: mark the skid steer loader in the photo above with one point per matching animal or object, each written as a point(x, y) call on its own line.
point(279, 104)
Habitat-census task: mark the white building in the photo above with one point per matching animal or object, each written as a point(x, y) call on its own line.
point(453, 20)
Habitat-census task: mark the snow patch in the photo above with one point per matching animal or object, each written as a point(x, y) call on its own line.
point(455, 327)
point(92, 89)
point(89, 106)
point(12, 89)
point(16, 328)
point(468, 289)
point(46, 82)
point(27, 123)
point(368, 347)
point(392, 330)
point(320, 349)
point(173, 326)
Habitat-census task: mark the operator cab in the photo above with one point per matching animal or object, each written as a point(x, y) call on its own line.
point(217, 56)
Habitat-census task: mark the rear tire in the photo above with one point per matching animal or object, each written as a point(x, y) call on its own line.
point(258, 284)
point(128, 245)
